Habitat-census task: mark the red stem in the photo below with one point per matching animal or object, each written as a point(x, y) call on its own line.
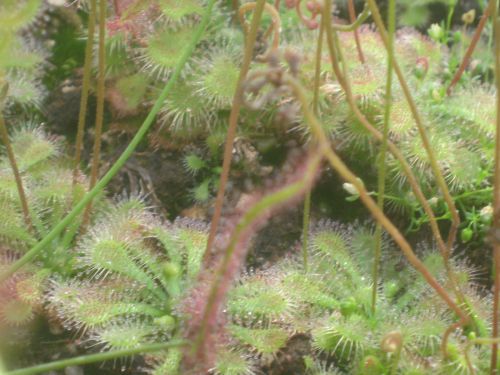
point(352, 17)
point(472, 46)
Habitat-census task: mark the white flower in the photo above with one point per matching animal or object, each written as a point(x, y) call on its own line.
point(57, 3)
point(486, 213)
point(350, 188)
point(436, 32)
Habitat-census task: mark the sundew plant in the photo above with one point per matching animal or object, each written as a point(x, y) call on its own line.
point(249, 187)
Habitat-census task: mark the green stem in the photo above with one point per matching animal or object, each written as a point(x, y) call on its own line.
point(389, 197)
point(85, 90)
point(469, 193)
point(317, 69)
point(496, 202)
point(99, 117)
point(383, 150)
point(397, 354)
point(448, 19)
point(98, 357)
point(306, 219)
point(307, 201)
point(101, 184)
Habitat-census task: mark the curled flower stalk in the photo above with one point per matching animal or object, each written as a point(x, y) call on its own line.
point(274, 28)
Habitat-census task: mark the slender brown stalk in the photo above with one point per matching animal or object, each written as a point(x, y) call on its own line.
point(96, 154)
point(87, 71)
point(496, 206)
point(352, 19)
point(472, 46)
point(117, 8)
point(369, 203)
point(343, 79)
point(436, 170)
point(15, 170)
point(233, 121)
point(412, 180)
point(235, 4)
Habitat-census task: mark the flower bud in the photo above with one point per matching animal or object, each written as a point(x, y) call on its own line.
point(171, 270)
point(433, 201)
point(421, 67)
point(392, 342)
point(469, 17)
point(486, 213)
point(436, 32)
point(466, 235)
point(436, 95)
point(165, 321)
point(350, 188)
point(371, 365)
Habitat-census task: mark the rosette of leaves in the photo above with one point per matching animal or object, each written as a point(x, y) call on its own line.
point(21, 296)
point(201, 170)
point(47, 179)
point(21, 305)
point(47, 182)
point(20, 58)
point(331, 301)
point(134, 272)
point(459, 127)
